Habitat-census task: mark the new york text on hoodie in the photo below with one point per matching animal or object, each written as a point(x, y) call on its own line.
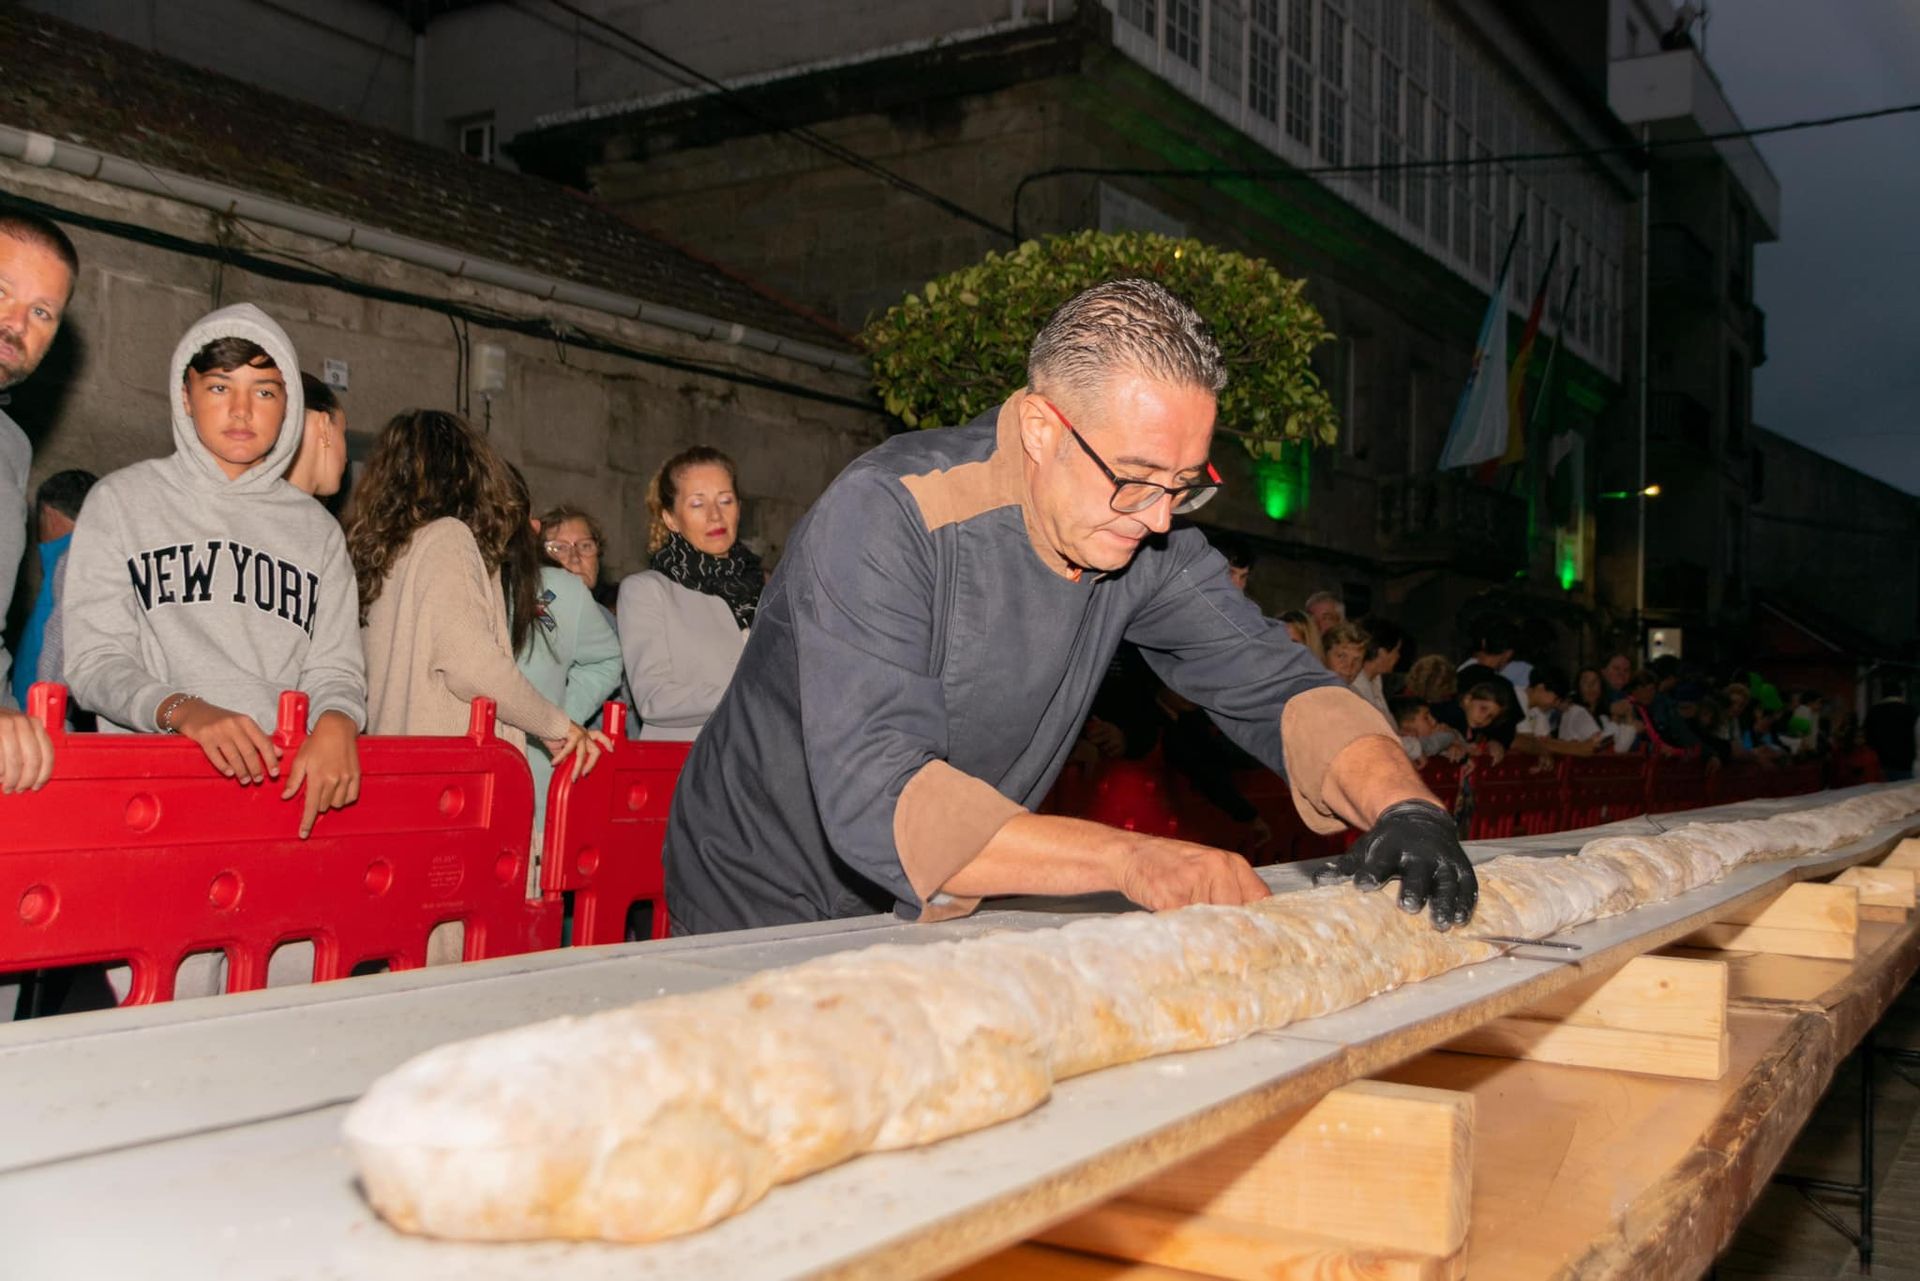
point(231, 590)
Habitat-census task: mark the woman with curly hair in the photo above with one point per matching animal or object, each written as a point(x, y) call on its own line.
point(449, 588)
point(683, 623)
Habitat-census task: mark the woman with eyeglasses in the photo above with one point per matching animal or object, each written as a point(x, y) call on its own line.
point(683, 623)
point(573, 540)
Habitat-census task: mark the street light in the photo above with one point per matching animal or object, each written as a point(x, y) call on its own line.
point(1651, 491)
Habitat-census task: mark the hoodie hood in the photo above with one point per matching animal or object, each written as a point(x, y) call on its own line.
point(242, 320)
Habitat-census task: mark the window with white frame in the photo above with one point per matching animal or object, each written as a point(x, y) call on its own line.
point(1394, 85)
point(1183, 31)
point(1333, 84)
point(1300, 71)
point(1264, 60)
point(1226, 23)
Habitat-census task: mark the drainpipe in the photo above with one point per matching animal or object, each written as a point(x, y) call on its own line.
point(53, 153)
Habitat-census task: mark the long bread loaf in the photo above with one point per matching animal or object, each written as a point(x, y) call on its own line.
point(665, 1116)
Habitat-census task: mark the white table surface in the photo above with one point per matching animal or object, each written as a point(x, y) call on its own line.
point(201, 1138)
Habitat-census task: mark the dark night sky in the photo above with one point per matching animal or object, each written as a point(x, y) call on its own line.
point(1841, 287)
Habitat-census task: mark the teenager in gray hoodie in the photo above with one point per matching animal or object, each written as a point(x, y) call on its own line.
point(201, 585)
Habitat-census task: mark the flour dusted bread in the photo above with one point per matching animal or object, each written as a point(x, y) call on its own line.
point(666, 1116)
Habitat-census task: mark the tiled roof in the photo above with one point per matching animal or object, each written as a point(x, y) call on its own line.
point(78, 85)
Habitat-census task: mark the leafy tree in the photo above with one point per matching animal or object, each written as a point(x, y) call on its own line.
point(956, 348)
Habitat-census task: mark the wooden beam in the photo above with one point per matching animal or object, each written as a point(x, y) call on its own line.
point(1373, 1163)
point(1043, 1263)
point(1886, 893)
point(1656, 1015)
point(1805, 920)
point(1240, 1251)
point(1905, 854)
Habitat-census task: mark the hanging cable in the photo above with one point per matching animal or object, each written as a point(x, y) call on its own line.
point(1283, 173)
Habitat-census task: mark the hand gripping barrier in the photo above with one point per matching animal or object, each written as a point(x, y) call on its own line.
point(1603, 789)
point(605, 833)
point(139, 851)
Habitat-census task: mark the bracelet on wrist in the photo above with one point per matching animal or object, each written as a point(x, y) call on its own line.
point(169, 710)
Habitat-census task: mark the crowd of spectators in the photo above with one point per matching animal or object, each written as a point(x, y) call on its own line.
point(182, 594)
point(1506, 692)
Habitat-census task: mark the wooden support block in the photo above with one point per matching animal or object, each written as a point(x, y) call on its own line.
point(1905, 854)
point(1886, 893)
point(1240, 1251)
point(1043, 1263)
point(1373, 1176)
point(1820, 921)
point(1657, 1015)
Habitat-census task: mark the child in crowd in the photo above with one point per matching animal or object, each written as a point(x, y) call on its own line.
point(1346, 645)
point(1555, 724)
point(1423, 736)
point(201, 585)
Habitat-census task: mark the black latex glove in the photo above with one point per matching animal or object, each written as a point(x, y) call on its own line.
point(1417, 842)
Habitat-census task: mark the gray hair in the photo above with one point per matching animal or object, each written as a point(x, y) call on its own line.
point(1326, 596)
point(1124, 326)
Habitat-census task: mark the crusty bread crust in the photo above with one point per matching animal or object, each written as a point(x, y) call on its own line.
point(666, 1116)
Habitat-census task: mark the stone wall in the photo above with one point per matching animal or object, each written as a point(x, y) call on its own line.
point(587, 428)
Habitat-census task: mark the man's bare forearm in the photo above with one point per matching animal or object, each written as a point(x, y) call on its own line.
point(1368, 776)
point(1044, 854)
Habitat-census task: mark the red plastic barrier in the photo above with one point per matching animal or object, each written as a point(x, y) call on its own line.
point(1603, 789)
point(138, 851)
point(1850, 769)
point(605, 833)
point(1676, 783)
point(1737, 781)
point(1518, 797)
point(1442, 778)
point(1795, 780)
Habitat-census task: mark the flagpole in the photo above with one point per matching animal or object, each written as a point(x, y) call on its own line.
point(1540, 398)
point(1506, 259)
point(1559, 337)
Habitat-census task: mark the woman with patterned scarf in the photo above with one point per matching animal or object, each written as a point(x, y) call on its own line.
point(684, 622)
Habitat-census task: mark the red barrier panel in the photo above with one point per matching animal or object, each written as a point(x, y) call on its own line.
point(1675, 783)
point(1850, 769)
point(1795, 780)
point(1737, 781)
point(1518, 797)
point(605, 833)
point(1603, 789)
point(139, 851)
point(1442, 778)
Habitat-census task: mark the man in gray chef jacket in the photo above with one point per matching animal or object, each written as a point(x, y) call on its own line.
point(928, 650)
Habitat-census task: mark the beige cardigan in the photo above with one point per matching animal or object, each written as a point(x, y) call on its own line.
point(437, 638)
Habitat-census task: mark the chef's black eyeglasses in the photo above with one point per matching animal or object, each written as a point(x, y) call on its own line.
point(1137, 495)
